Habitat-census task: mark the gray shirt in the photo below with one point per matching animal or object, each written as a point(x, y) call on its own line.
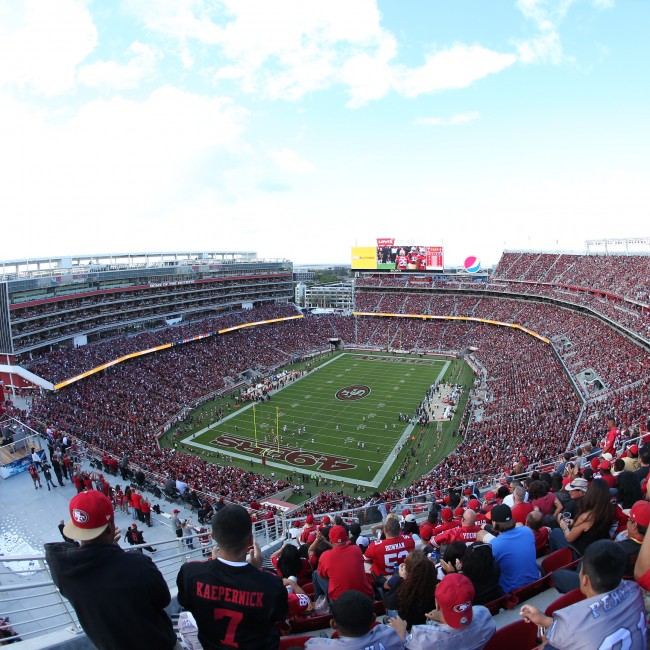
point(615, 619)
point(381, 637)
point(443, 637)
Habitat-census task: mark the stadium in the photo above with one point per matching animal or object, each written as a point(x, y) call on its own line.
point(197, 368)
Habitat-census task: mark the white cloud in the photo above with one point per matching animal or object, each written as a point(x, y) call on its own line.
point(41, 43)
point(140, 67)
point(289, 48)
point(112, 165)
point(459, 118)
point(457, 67)
point(290, 161)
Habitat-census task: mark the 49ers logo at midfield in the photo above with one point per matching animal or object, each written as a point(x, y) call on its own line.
point(352, 392)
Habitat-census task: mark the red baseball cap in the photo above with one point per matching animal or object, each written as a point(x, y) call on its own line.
point(310, 519)
point(447, 514)
point(640, 513)
point(338, 535)
point(467, 492)
point(326, 520)
point(459, 511)
point(490, 496)
point(605, 464)
point(406, 512)
point(474, 504)
point(633, 449)
point(426, 532)
point(454, 596)
point(90, 513)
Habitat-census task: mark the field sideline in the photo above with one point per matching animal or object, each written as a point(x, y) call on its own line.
point(361, 395)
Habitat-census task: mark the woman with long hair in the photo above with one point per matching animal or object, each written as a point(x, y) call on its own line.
point(542, 499)
point(593, 520)
point(479, 566)
point(288, 562)
point(628, 490)
point(413, 594)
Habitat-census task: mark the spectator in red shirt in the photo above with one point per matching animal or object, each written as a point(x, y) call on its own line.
point(605, 468)
point(309, 527)
point(447, 516)
point(541, 498)
point(387, 554)
point(534, 522)
point(490, 501)
point(341, 569)
point(466, 532)
point(612, 436)
point(521, 509)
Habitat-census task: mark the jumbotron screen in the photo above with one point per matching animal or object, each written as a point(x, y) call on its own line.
point(390, 255)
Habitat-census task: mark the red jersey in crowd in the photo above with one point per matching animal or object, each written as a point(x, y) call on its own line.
point(445, 525)
point(610, 440)
point(387, 554)
point(466, 534)
point(343, 567)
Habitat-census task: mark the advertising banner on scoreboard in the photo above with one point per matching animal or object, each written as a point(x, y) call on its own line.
point(364, 257)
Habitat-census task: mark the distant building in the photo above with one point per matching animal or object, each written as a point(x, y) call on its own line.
point(303, 276)
point(337, 295)
point(300, 294)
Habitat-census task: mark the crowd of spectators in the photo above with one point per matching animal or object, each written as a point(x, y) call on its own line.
point(525, 410)
point(585, 343)
point(623, 275)
point(69, 362)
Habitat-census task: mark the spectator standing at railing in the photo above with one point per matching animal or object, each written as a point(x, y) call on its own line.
point(119, 597)
point(176, 523)
point(235, 604)
point(613, 433)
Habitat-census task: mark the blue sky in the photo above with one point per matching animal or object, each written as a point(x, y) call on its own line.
point(298, 129)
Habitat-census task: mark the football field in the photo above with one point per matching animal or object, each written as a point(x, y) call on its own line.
point(340, 421)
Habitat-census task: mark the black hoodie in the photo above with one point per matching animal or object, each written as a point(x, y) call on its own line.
point(119, 597)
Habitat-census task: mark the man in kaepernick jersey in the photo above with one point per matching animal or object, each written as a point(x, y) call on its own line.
point(387, 554)
point(234, 603)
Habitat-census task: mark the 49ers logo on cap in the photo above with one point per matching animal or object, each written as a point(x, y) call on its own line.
point(80, 516)
point(463, 607)
point(352, 392)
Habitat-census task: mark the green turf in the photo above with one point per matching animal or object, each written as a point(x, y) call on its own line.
point(396, 384)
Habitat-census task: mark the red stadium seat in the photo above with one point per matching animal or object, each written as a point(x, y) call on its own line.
point(533, 589)
point(310, 623)
point(557, 560)
point(565, 600)
point(293, 642)
point(515, 636)
point(507, 601)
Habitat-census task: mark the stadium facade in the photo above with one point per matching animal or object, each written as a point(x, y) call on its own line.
point(71, 301)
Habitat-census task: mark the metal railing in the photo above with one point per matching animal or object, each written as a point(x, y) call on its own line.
point(34, 605)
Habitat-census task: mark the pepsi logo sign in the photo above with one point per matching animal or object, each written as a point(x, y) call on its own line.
point(472, 264)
